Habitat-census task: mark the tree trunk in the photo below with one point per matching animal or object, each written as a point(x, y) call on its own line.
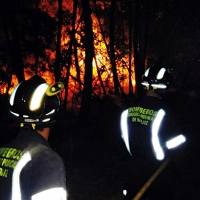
point(140, 43)
point(15, 51)
point(57, 67)
point(72, 43)
point(36, 33)
point(112, 49)
point(89, 54)
point(100, 79)
point(130, 46)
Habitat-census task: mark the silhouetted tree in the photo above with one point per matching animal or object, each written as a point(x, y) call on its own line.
point(89, 54)
point(112, 47)
point(57, 67)
point(140, 42)
point(10, 25)
point(131, 68)
point(73, 43)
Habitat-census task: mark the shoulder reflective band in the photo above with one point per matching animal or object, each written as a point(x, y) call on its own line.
point(155, 139)
point(176, 141)
point(37, 96)
point(16, 192)
point(51, 194)
point(124, 129)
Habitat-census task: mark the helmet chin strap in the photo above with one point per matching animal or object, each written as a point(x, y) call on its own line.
point(45, 125)
point(38, 126)
point(27, 126)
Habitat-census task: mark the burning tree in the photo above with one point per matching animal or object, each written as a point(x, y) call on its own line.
point(64, 57)
point(52, 38)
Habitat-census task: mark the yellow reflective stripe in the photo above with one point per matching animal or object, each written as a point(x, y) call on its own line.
point(51, 194)
point(16, 192)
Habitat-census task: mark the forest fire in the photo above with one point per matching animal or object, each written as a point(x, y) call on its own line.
point(102, 70)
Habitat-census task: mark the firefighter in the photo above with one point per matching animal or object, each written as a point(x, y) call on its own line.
point(29, 168)
point(151, 132)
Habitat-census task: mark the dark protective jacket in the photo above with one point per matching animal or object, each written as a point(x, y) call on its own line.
point(140, 123)
point(148, 128)
point(30, 169)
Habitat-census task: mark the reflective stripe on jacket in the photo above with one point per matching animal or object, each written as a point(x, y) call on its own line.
point(31, 169)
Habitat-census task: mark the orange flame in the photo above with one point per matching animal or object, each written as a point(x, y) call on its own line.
point(101, 61)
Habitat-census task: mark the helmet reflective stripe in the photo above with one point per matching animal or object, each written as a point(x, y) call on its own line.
point(145, 83)
point(155, 139)
point(38, 94)
point(176, 141)
point(12, 97)
point(51, 112)
point(16, 114)
point(124, 129)
point(161, 73)
point(161, 86)
point(147, 72)
point(51, 194)
point(46, 120)
point(16, 192)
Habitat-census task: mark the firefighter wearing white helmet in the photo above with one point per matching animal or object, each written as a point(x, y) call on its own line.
point(151, 133)
point(29, 168)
